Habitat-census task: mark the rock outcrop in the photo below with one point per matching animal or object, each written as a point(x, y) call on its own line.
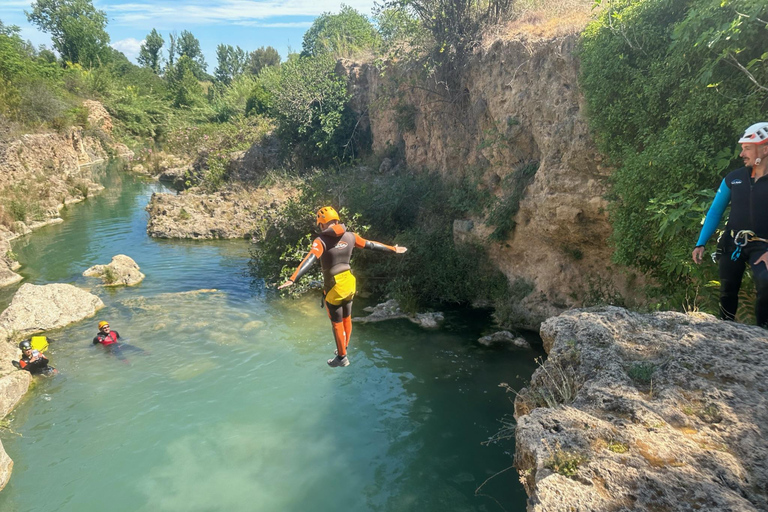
point(665, 411)
point(121, 271)
point(390, 310)
point(506, 338)
point(33, 309)
point(234, 213)
point(40, 173)
point(36, 308)
point(515, 104)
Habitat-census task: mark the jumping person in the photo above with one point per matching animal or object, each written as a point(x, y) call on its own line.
point(745, 240)
point(334, 249)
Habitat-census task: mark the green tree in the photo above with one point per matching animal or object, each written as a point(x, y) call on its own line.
point(231, 63)
point(188, 45)
point(342, 34)
point(309, 100)
point(76, 27)
point(149, 54)
point(185, 88)
point(261, 58)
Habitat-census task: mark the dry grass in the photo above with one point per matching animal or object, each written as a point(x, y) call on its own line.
point(543, 19)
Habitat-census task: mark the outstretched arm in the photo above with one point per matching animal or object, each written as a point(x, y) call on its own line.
point(377, 246)
point(712, 220)
point(306, 264)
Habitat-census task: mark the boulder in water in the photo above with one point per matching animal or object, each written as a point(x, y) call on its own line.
point(504, 337)
point(37, 308)
point(121, 271)
point(390, 310)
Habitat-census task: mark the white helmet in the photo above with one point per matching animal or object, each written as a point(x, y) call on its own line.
point(755, 134)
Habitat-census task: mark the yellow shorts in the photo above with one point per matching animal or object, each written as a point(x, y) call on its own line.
point(344, 289)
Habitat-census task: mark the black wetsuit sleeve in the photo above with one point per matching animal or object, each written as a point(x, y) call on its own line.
point(304, 267)
point(378, 246)
point(96, 340)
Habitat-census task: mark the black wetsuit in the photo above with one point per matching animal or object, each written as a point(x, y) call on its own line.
point(749, 211)
point(36, 367)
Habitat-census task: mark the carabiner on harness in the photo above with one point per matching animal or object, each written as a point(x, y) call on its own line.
point(741, 239)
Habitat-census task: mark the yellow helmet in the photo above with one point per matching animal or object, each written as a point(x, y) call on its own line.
point(327, 214)
point(102, 324)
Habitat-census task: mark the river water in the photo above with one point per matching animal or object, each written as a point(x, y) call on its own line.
point(231, 406)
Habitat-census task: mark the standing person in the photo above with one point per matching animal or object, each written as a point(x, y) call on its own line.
point(33, 361)
point(745, 240)
point(334, 249)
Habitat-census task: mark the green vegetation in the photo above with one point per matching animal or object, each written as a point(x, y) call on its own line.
point(345, 34)
point(670, 86)
point(564, 462)
point(641, 372)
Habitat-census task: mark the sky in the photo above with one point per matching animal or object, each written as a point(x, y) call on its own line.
point(249, 24)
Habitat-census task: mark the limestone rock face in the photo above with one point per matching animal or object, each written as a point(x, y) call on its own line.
point(515, 102)
point(41, 308)
point(645, 412)
point(233, 213)
point(121, 271)
point(98, 117)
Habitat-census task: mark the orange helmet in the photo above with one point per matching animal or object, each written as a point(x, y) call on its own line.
point(102, 324)
point(327, 214)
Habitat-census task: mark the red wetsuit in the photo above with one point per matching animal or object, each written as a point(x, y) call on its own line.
point(109, 338)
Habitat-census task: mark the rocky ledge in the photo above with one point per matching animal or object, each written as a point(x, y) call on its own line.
point(238, 212)
point(645, 412)
point(34, 309)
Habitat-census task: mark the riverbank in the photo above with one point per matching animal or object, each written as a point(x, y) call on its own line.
point(42, 173)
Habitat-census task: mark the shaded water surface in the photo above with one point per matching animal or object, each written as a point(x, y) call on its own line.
point(231, 406)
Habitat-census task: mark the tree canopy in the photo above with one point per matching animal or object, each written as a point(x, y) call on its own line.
point(342, 34)
point(76, 27)
point(149, 54)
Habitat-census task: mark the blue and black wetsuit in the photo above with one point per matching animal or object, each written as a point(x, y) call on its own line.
point(748, 198)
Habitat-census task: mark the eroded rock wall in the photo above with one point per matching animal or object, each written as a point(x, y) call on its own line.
point(41, 172)
point(663, 411)
point(514, 103)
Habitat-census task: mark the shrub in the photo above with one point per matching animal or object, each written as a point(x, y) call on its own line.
point(670, 85)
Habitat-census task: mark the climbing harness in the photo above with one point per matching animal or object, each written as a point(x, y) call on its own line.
point(741, 239)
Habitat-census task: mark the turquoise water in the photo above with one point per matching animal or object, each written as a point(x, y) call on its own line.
point(231, 406)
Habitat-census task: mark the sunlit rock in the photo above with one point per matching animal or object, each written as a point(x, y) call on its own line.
point(41, 308)
point(665, 411)
point(390, 310)
point(504, 337)
point(121, 271)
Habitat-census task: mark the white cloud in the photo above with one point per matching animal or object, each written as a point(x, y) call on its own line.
point(130, 47)
point(233, 11)
point(288, 24)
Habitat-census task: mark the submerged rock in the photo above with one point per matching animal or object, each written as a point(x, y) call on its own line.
point(41, 308)
point(504, 337)
point(121, 271)
point(645, 412)
point(390, 310)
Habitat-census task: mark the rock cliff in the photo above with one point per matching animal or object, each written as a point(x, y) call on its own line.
point(33, 309)
point(516, 103)
point(40, 173)
point(645, 412)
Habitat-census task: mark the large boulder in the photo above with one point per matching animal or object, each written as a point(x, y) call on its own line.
point(37, 308)
point(121, 271)
point(645, 412)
